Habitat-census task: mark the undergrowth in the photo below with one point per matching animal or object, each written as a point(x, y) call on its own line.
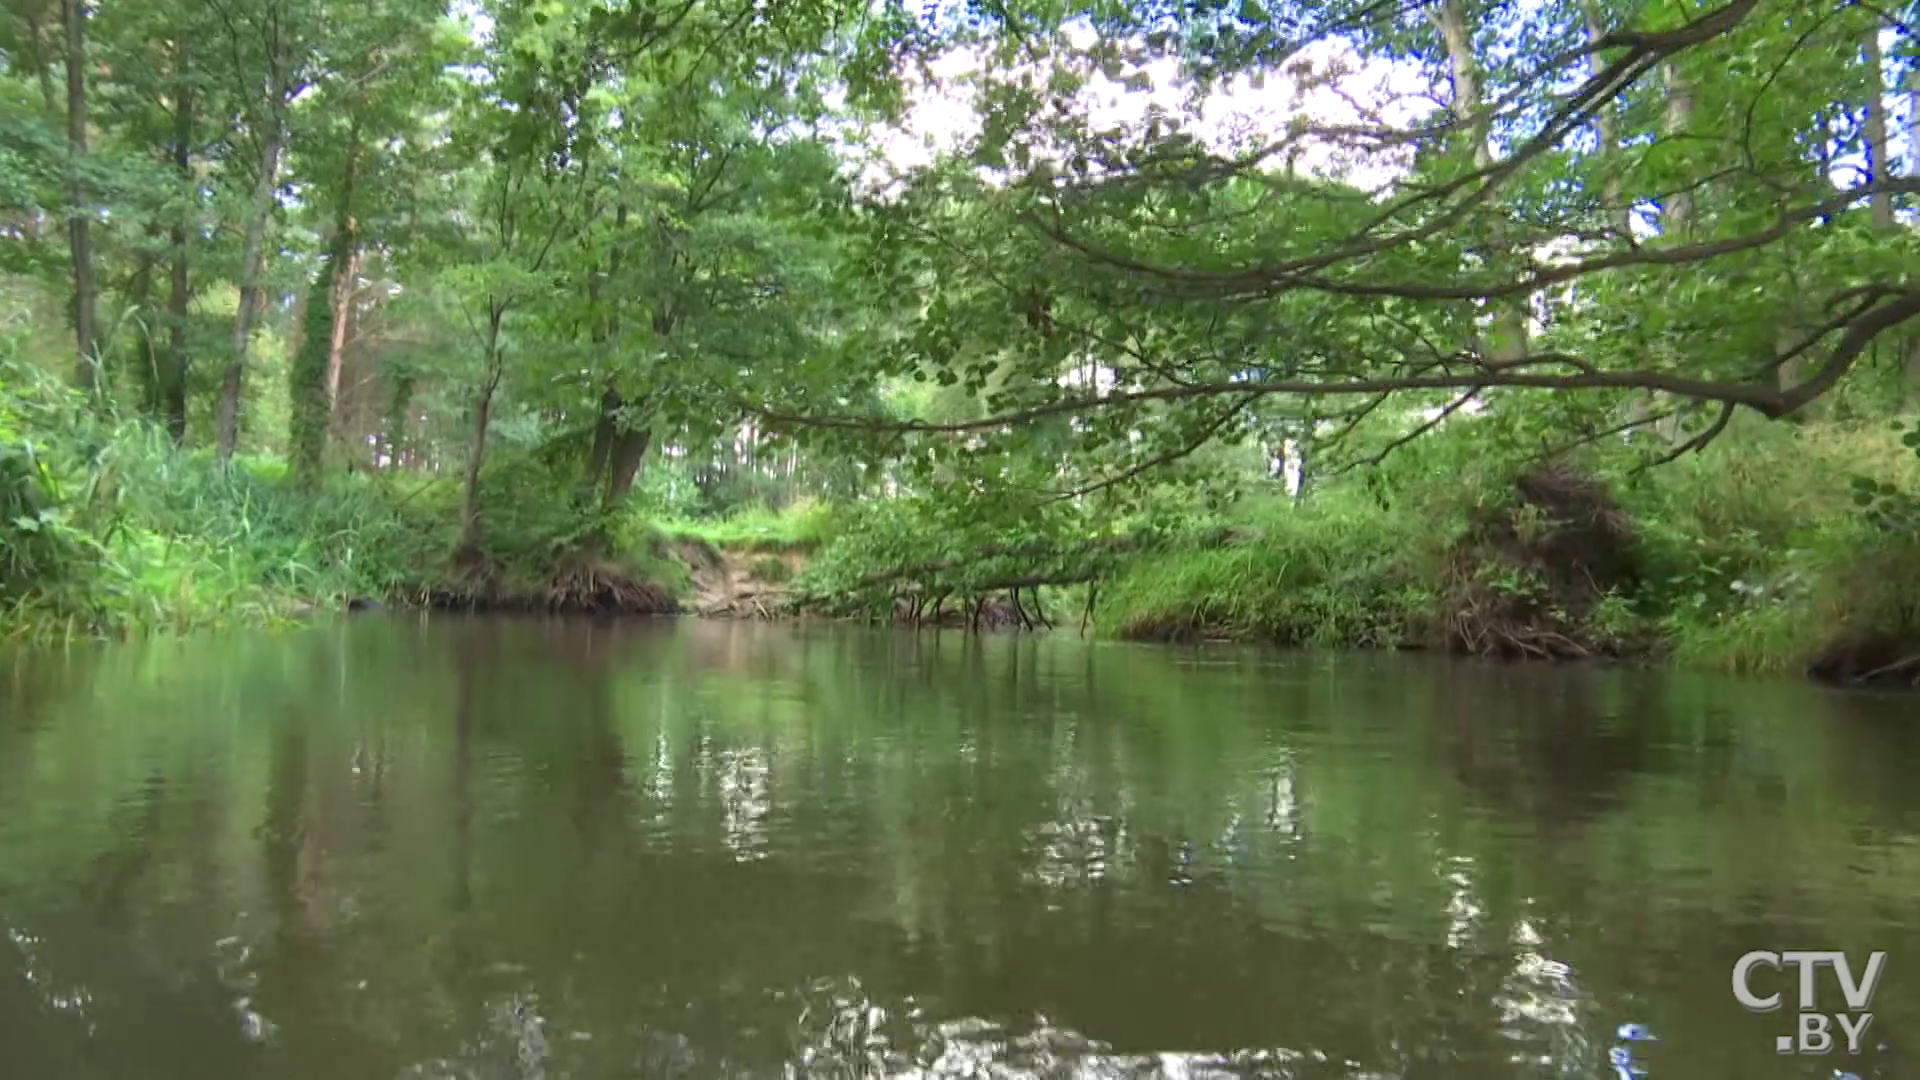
point(1779, 548)
point(1764, 555)
point(1335, 572)
point(106, 529)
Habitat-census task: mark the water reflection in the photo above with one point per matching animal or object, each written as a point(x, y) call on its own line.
point(555, 849)
point(742, 784)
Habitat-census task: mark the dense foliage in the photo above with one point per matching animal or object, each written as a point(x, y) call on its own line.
point(1562, 329)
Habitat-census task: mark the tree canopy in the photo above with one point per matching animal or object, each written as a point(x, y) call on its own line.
point(401, 235)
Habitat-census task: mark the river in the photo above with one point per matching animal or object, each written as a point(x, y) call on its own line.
point(393, 848)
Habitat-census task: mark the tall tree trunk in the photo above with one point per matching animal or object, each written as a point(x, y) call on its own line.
point(41, 51)
point(1913, 121)
point(173, 370)
point(468, 549)
point(253, 259)
point(306, 381)
point(627, 446)
point(629, 450)
point(357, 415)
point(346, 279)
point(79, 213)
point(1509, 331)
point(398, 405)
point(311, 396)
point(1606, 132)
point(1912, 367)
point(1879, 147)
point(607, 436)
point(618, 448)
point(1677, 215)
point(146, 346)
point(346, 285)
point(605, 430)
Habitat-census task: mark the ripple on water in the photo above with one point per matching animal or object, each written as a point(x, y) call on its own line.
point(73, 1000)
point(857, 1037)
point(232, 959)
point(839, 1031)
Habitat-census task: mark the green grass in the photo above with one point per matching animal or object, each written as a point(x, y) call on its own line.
point(805, 526)
point(1336, 571)
point(1761, 559)
point(108, 530)
point(1756, 558)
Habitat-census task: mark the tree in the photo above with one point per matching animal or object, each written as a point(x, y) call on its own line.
point(619, 150)
point(1508, 201)
point(358, 152)
point(73, 17)
point(271, 43)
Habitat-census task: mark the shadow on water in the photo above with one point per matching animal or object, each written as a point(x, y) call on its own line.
point(484, 848)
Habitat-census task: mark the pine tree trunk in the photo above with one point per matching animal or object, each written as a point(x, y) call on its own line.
point(346, 286)
point(79, 213)
point(1509, 331)
point(253, 259)
point(1879, 147)
point(173, 371)
point(1607, 134)
point(468, 549)
point(1677, 219)
point(146, 347)
point(315, 374)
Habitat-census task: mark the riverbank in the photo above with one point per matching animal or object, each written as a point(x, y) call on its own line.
point(1779, 548)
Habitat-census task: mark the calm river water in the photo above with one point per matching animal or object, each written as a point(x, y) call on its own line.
point(396, 849)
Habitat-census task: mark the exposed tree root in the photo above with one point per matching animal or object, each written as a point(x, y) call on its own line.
point(1529, 575)
point(997, 585)
point(582, 586)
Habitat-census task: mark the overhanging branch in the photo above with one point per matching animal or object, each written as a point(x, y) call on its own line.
point(1885, 307)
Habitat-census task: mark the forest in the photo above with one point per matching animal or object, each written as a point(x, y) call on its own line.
point(1560, 329)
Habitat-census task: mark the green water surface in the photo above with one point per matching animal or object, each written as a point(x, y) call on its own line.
point(394, 848)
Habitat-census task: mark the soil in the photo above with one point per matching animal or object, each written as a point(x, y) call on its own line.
point(727, 583)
